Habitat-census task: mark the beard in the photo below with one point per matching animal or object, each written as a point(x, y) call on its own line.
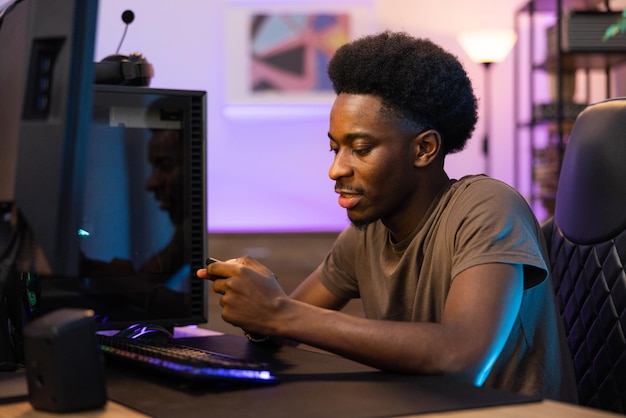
point(362, 224)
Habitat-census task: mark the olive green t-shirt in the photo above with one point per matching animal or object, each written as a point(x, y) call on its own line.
point(475, 220)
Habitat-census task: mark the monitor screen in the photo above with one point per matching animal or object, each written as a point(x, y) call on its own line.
point(141, 227)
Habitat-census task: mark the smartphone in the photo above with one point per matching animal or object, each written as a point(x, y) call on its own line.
point(211, 260)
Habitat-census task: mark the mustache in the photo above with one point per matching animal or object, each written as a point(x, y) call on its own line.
point(347, 188)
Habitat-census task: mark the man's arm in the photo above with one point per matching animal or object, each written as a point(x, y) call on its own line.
point(313, 292)
point(480, 311)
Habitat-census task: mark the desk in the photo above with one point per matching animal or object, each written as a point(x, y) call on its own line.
point(543, 409)
point(313, 384)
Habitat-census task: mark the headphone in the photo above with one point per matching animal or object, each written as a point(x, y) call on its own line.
point(132, 70)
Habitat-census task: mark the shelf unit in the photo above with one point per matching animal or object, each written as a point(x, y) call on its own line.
point(542, 126)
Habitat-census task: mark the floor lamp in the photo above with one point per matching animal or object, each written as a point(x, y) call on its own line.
point(487, 46)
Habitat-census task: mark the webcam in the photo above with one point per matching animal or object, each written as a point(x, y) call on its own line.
point(131, 70)
point(124, 70)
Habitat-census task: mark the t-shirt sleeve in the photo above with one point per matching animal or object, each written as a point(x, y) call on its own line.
point(494, 224)
point(337, 271)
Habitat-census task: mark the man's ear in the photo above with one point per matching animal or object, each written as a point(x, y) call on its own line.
point(427, 147)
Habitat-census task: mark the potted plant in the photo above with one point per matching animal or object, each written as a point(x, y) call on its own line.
point(616, 28)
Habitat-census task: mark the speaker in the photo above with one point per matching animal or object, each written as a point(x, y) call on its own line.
point(64, 367)
point(132, 70)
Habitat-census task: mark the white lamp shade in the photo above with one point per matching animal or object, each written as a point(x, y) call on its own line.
point(487, 45)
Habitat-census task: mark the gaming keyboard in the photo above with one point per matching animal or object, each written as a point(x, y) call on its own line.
point(182, 361)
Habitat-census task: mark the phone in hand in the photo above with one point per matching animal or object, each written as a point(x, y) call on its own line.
point(211, 260)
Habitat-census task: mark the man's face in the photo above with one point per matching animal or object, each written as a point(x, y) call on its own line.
point(166, 179)
point(373, 163)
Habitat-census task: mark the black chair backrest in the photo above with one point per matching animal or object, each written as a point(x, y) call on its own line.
point(587, 240)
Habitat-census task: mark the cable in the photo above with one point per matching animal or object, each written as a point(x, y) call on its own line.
point(127, 17)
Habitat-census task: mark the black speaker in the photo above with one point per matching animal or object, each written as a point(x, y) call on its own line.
point(64, 368)
point(131, 70)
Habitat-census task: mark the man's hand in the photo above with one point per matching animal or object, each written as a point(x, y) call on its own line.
point(251, 296)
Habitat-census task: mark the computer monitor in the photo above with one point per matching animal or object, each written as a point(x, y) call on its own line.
point(78, 179)
point(46, 77)
point(141, 230)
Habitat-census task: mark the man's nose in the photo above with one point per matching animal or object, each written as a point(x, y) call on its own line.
point(341, 165)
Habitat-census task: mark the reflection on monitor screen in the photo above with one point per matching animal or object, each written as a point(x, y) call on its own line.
point(141, 229)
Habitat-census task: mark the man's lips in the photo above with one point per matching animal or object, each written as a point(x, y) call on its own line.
point(348, 199)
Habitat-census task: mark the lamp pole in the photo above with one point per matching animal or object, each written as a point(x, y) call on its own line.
point(487, 101)
point(487, 46)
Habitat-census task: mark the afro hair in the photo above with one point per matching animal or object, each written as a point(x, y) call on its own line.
point(415, 78)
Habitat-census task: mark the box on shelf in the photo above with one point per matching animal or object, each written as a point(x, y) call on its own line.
point(582, 31)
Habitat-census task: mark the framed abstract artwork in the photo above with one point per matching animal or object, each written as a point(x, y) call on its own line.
point(278, 53)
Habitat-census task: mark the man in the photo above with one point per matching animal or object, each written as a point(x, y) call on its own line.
point(452, 274)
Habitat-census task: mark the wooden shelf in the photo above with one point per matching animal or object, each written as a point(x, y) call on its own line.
point(579, 47)
point(585, 60)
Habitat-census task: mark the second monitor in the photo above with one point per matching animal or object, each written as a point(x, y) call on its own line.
point(141, 229)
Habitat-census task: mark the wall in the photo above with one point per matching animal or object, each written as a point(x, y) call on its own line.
point(269, 172)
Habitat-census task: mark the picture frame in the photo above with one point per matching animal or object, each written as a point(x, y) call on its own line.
point(278, 51)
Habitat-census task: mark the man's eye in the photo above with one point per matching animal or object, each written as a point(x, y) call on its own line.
point(362, 151)
point(334, 150)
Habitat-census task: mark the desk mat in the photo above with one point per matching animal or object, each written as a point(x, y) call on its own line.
point(312, 385)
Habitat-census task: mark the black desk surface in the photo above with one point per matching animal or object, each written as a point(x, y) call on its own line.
point(311, 385)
